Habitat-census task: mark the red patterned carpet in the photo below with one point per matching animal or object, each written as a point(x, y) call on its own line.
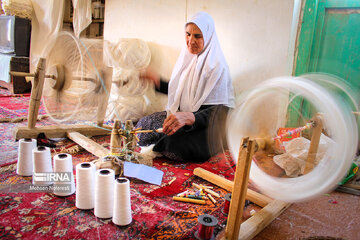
point(46, 216)
point(155, 214)
point(12, 107)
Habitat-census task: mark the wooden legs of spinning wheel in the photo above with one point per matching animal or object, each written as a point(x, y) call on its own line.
point(239, 192)
point(36, 92)
point(271, 208)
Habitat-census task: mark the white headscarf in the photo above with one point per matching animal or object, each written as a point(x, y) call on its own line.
point(200, 79)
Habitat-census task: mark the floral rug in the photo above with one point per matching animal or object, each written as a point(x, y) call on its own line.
point(12, 106)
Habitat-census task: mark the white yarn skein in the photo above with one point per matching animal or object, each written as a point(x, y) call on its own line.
point(25, 161)
point(338, 122)
point(63, 164)
point(104, 193)
point(122, 202)
point(127, 53)
point(85, 185)
point(41, 164)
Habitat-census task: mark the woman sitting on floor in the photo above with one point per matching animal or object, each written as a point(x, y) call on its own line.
point(200, 84)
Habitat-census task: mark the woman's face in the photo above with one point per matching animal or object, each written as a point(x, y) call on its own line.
point(194, 38)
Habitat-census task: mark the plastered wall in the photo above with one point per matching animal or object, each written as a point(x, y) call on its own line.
point(254, 34)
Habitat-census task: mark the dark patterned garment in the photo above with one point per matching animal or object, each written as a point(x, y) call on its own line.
point(189, 143)
point(151, 122)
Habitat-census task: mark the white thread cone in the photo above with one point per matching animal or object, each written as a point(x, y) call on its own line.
point(85, 185)
point(122, 202)
point(63, 164)
point(25, 161)
point(41, 165)
point(104, 193)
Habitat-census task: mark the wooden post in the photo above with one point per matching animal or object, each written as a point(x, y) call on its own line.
point(314, 144)
point(115, 140)
point(36, 93)
point(239, 192)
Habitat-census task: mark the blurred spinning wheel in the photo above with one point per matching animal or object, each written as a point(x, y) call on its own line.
point(80, 88)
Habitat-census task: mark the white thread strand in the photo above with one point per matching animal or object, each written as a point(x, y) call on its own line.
point(338, 122)
point(122, 202)
point(63, 164)
point(104, 193)
point(25, 161)
point(41, 164)
point(85, 185)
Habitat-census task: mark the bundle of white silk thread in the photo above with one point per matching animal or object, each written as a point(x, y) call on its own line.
point(25, 161)
point(85, 185)
point(63, 165)
point(41, 164)
point(129, 94)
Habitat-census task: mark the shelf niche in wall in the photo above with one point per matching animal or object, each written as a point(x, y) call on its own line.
point(96, 28)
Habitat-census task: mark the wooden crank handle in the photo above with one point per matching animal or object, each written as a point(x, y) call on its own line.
point(23, 74)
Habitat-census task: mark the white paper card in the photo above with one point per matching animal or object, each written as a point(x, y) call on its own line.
point(143, 172)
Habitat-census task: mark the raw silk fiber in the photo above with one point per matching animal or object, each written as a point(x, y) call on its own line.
point(201, 79)
point(82, 15)
point(46, 23)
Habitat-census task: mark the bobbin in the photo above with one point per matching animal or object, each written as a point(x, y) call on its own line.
point(122, 202)
point(85, 185)
point(41, 164)
point(25, 160)
point(226, 207)
point(63, 164)
point(206, 228)
point(104, 193)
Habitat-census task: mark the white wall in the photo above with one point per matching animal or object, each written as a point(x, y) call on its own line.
point(254, 34)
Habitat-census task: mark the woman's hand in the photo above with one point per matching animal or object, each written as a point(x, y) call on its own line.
point(152, 76)
point(176, 121)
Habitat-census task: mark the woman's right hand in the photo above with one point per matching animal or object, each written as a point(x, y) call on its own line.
point(152, 76)
point(176, 121)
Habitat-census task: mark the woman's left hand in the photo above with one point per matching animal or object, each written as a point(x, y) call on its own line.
point(176, 121)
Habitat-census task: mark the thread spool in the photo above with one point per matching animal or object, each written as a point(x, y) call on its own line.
point(85, 185)
point(206, 228)
point(63, 165)
point(122, 202)
point(226, 208)
point(104, 193)
point(41, 164)
point(25, 161)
